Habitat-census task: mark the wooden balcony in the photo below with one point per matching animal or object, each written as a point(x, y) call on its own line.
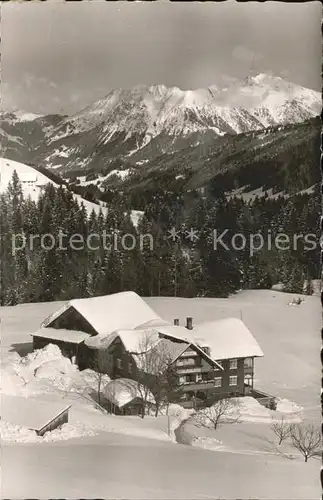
point(188, 360)
point(198, 386)
point(181, 364)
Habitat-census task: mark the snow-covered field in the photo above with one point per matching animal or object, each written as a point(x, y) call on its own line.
point(45, 375)
point(252, 433)
point(100, 455)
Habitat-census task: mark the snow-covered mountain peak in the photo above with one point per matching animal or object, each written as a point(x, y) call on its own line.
point(281, 101)
point(127, 119)
point(18, 115)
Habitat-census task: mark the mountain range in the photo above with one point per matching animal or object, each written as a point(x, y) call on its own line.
point(153, 130)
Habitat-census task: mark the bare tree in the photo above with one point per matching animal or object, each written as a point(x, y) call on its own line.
point(281, 429)
point(307, 439)
point(155, 372)
point(225, 410)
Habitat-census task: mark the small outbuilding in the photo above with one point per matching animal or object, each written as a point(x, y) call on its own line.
point(126, 397)
point(34, 414)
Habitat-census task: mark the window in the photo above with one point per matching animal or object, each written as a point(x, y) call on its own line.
point(183, 397)
point(190, 378)
point(204, 376)
point(130, 367)
point(198, 377)
point(233, 364)
point(248, 363)
point(218, 382)
point(185, 361)
point(182, 380)
point(119, 363)
point(233, 380)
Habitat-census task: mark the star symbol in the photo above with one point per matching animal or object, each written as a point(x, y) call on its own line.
point(192, 234)
point(173, 233)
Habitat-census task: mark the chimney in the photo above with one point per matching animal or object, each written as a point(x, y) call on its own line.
point(176, 322)
point(189, 323)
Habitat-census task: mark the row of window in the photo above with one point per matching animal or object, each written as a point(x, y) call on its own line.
point(189, 361)
point(233, 364)
point(203, 377)
point(192, 361)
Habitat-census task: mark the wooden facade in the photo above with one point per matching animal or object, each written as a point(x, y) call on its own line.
point(201, 382)
point(71, 319)
point(134, 407)
point(123, 365)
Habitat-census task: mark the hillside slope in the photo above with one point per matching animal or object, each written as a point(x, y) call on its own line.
point(285, 158)
point(33, 181)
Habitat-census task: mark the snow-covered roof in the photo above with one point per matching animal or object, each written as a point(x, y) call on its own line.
point(122, 391)
point(73, 336)
point(101, 341)
point(152, 323)
point(165, 350)
point(133, 340)
point(108, 313)
point(172, 349)
point(138, 340)
point(227, 338)
point(30, 412)
point(178, 332)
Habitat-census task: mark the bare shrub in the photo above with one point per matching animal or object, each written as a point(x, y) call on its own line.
point(281, 429)
point(101, 365)
point(223, 411)
point(155, 373)
point(307, 439)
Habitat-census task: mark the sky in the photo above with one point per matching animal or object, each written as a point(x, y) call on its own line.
point(59, 57)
